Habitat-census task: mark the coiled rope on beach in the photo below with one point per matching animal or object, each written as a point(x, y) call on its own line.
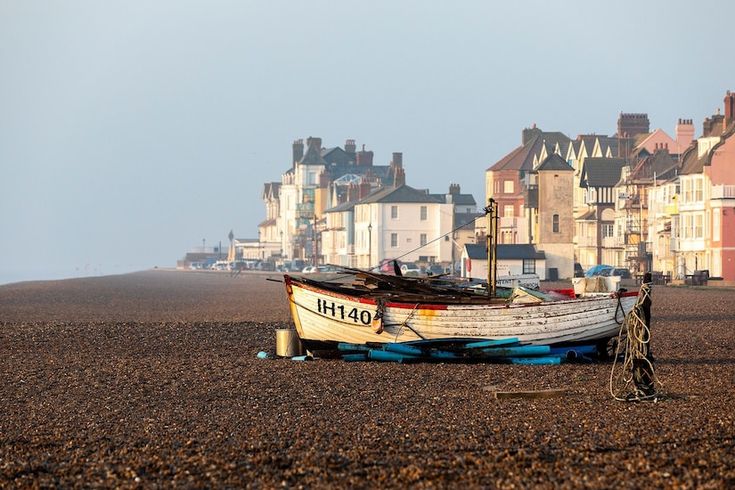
point(635, 379)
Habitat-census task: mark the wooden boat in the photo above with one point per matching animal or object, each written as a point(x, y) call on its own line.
point(363, 307)
point(329, 312)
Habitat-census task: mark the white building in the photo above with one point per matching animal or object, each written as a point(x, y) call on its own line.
point(513, 260)
point(403, 222)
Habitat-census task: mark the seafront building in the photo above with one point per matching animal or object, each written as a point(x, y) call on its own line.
point(335, 206)
point(640, 199)
point(687, 184)
point(317, 179)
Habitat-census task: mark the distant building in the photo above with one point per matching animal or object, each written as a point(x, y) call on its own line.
point(318, 179)
point(509, 181)
point(554, 219)
point(595, 237)
point(513, 259)
point(269, 230)
point(407, 223)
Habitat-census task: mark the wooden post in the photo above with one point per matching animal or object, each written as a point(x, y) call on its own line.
point(643, 376)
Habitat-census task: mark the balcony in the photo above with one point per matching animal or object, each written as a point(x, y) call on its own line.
point(723, 192)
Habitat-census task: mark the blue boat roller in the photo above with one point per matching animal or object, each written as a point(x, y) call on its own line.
point(542, 361)
point(574, 350)
point(521, 350)
point(381, 355)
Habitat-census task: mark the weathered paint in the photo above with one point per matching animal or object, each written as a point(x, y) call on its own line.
point(562, 321)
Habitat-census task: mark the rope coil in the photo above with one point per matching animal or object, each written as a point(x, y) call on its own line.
point(635, 379)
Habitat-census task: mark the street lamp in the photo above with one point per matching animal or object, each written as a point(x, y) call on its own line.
point(370, 245)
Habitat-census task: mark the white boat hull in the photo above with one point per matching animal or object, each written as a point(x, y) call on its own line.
point(325, 316)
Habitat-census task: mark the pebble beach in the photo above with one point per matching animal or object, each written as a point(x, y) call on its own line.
point(151, 379)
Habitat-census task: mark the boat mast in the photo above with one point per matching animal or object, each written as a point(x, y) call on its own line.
point(495, 248)
point(492, 244)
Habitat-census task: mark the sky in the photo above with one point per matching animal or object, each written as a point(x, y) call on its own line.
point(130, 131)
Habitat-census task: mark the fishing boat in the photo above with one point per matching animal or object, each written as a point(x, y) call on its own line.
point(357, 307)
point(327, 312)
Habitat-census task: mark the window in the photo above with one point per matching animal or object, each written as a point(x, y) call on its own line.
point(394, 240)
point(529, 266)
point(394, 212)
point(698, 218)
point(698, 186)
point(508, 186)
point(608, 230)
point(423, 213)
point(423, 239)
point(508, 210)
point(555, 223)
point(716, 225)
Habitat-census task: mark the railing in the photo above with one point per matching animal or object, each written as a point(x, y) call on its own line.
point(723, 192)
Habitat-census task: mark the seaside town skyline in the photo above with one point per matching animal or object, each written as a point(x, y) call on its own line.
point(126, 161)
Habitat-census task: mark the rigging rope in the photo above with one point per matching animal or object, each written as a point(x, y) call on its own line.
point(635, 379)
point(434, 240)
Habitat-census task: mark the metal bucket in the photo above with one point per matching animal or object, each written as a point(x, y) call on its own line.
point(288, 343)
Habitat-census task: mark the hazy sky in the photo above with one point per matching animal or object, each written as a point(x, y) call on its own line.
point(131, 130)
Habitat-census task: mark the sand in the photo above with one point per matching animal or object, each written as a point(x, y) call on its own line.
point(151, 379)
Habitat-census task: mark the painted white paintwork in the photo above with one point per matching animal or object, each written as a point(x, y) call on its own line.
point(562, 321)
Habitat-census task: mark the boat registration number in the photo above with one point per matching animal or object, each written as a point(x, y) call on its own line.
point(342, 312)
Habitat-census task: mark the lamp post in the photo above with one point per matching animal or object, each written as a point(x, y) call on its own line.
point(370, 245)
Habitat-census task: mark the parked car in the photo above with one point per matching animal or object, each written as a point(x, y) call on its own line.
point(309, 269)
point(410, 270)
point(221, 265)
point(435, 270)
point(578, 271)
point(622, 272)
point(387, 266)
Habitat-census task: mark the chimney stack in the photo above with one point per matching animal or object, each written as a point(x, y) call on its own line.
point(352, 192)
point(729, 109)
point(364, 189)
point(315, 143)
point(399, 177)
point(350, 147)
point(712, 126)
point(684, 134)
point(454, 189)
point(364, 158)
point(396, 169)
point(298, 150)
point(528, 133)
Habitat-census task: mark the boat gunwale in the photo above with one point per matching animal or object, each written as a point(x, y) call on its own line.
point(289, 280)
